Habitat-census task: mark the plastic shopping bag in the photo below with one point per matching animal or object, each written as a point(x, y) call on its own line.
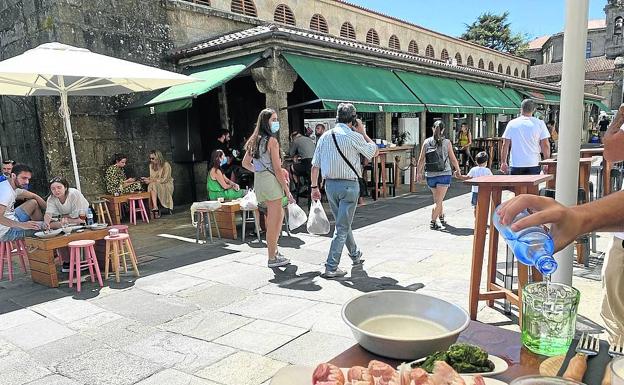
point(249, 201)
point(296, 216)
point(317, 220)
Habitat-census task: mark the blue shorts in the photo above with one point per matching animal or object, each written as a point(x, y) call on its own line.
point(473, 200)
point(440, 180)
point(15, 233)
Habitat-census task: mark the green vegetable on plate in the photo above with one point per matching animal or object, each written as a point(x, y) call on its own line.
point(464, 358)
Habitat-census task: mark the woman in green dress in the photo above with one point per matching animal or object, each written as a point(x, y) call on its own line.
point(218, 185)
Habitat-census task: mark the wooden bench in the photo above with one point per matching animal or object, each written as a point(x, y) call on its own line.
point(114, 203)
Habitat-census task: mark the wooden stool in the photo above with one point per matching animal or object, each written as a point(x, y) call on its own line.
point(116, 248)
point(123, 229)
point(252, 216)
point(203, 221)
point(75, 248)
point(101, 210)
point(8, 249)
point(134, 209)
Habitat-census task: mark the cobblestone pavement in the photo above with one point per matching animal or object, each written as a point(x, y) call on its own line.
point(215, 314)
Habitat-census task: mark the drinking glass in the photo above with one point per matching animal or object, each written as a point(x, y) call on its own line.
point(542, 380)
point(549, 317)
point(82, 214)
point(617, 371)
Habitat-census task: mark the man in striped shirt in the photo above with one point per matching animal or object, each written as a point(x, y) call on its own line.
point(341, 180)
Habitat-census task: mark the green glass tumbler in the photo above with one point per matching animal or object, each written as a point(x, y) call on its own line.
point(549, 317)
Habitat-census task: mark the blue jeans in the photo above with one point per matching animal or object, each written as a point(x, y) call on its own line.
point(343, 197)
point(525, 170)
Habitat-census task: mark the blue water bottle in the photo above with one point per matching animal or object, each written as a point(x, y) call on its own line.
point(89, 217)
point(532, 246)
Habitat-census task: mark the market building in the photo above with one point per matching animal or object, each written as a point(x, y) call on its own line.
point(300, 58)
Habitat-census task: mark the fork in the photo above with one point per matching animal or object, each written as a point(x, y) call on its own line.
point(616, 349)
point(588, 344)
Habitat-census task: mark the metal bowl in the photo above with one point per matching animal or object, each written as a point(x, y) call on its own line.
point(405, 303)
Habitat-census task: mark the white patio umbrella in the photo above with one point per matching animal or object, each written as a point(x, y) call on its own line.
point(59, 69)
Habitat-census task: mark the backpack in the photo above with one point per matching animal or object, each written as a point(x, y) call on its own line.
point(434, 157)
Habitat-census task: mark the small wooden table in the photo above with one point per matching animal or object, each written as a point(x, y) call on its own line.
point(490, 193)
point(226, 219)
point(606, 167)
point(41, 254)
point(496, 341)
point(379, 163)
point(114, 203)
point(584, 172)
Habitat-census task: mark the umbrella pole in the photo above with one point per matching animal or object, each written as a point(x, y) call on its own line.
point(67, 123)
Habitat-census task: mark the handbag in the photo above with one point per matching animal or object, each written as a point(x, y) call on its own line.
point(361, 180)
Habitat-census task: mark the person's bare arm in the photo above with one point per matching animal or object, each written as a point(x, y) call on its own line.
point(453, 158)
point(223, 181)
point(613, 138)
point(314, 177)
point(274, 151)
point(504, 153)
point(247, 162)
point(30, 225)
point(420, 166)
point(25, 195)
point(567, 223)
point(545, 146)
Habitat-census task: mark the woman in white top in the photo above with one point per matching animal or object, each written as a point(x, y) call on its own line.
point(65, 203)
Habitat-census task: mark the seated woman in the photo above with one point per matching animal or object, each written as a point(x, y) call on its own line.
point(116, 181)
point(159, 183)
point(218, 185)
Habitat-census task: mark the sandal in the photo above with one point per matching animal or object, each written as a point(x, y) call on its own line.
point(442, 220)
point(434, 225)
point(156, 213)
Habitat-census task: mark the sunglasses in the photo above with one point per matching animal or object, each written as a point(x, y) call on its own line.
point(8, 162)
point(152, 158)
point(55, 180)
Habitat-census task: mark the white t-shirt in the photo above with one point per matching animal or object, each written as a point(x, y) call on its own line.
point(478, 171)
point(73, 204)
point(525, 134)
point(7, 199)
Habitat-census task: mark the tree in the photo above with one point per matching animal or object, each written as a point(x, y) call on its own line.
point(494, 31)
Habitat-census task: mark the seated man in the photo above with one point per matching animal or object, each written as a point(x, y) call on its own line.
point(7, 166)
point(302, 151)
point(16, 223)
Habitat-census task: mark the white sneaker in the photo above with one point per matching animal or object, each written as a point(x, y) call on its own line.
point(338, 273)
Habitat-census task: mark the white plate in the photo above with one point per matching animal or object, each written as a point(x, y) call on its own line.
point(302, 375)
point(499, 366)
point(97, 226)
point(49, 234)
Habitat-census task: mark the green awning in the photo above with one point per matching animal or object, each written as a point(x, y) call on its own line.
point(491, 98)
point(601, 106)
point(513, 95)
point(440, 95)
point(542, 97)
point(370, 89)
point(181, 97)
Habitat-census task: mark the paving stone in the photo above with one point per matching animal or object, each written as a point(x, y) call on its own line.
point(237, 274)
point(66, 348)
point(242, 368)
point(260, 336)
point(167, 282)
point(322, 317)
point(174, 377)
point(267, 306)
point(67, 309)
point(36, 333)
point(55, 379)
point(148, 308)
point(178, 351)
point(94, 321)
point(18, 367)
point(121, 332)
point(212, 295)
point(205, 324)
point(106, 366)
point(18, 317)
point(312, 348)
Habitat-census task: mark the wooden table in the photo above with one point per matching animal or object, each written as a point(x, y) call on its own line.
point(226, 219)
point(492, 146)
point(114, 203)
point(379, 163)
point(584, 173)
point(490, 193)
point(497, 341)
point(41, 254)
point(606, 167)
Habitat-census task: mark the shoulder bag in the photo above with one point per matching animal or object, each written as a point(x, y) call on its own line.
point(361, 180)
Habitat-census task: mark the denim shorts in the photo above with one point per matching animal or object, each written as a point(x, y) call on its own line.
point(473, 200)
point(440, 180)
point(15, 233)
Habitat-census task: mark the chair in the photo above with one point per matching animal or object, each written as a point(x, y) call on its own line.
point(76, 248)
point(8, 250)
point(101, 210)
point(252, 216)
point(390, 180)
point(137, 205)
point(117, 248)
point(203, 222)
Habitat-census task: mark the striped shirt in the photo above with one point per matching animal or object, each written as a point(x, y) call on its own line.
point(352, 145)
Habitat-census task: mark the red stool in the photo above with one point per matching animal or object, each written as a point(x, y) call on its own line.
point(8, 249)
point(117, 248)
point(134, 209)
point(90, 260)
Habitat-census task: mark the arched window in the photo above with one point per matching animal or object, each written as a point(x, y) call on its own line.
point(413, 47)
point(458, 58)
point(429, 52)
point(394, 43)
point(500, 68)
point(444, 55)
point(618, 25)
point(481, 64)
point(318, 23)
point(491, 66)
point(347, 31)
point(372, 37)
point(283, 14)
point(244, 7)
point(523, 74)
point(508, 70)
point(588, 49)
point(516, 72)
point(470, 61)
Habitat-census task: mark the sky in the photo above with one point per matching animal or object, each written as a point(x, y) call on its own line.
point(531, 17)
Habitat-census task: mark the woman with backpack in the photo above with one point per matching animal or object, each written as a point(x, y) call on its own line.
point(435, 160)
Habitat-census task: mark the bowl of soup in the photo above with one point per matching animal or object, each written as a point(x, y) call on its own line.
point(403, 324)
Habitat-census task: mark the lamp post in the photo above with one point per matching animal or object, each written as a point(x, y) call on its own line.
point(619, 66)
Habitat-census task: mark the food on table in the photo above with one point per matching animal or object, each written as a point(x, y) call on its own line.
point(380, 373)
point(576, 368)
point(463, 358)
point(402, 326)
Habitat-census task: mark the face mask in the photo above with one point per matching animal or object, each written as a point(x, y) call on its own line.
point(223, 162)
point(275, 126)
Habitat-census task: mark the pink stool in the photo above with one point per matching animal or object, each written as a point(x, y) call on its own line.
point(134, 209)
point(123, 229)
point(7, 250)
point(90, 260)
point(117, 248)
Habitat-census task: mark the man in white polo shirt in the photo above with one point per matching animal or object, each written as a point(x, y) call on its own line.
point(528, 138)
